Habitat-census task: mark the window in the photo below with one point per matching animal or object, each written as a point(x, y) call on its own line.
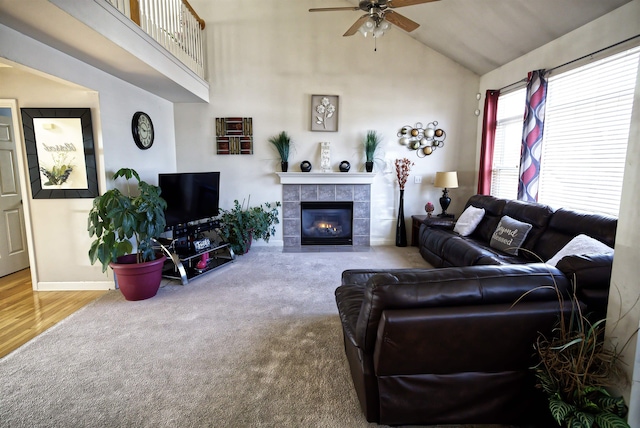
point(506, 151)
point(587, 120)
point(586, 132)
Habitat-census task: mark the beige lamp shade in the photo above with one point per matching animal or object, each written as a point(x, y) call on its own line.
point(446, 180)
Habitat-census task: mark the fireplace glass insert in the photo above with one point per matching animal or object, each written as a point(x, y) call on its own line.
point(326, 223)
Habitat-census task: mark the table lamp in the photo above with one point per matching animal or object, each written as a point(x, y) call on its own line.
point(446, 180)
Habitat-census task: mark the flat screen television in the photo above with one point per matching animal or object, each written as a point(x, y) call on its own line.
point(190, 196)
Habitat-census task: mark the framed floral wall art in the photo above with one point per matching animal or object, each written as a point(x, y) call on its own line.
point(60, 152)
point(324, 113)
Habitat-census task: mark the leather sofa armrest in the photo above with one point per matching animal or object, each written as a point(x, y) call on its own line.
point(587, 271)
point(439, 222)
point(360, 276)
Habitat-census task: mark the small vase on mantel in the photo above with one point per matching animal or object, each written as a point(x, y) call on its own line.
point(401, 229)
point(284, 165)
point(368, 166)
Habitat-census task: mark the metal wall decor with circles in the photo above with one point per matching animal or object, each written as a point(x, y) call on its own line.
point(424, 140)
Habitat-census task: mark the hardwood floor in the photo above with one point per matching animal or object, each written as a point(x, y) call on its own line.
point(25, 313)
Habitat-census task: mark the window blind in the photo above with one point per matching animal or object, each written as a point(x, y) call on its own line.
point(587, 120)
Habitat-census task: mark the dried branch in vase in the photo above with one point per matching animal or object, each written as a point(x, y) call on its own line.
point(403, 167)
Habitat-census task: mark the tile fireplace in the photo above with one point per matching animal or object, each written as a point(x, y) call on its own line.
point(316, 189)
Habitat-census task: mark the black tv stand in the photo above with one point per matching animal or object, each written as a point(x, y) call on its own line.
point(194, 250)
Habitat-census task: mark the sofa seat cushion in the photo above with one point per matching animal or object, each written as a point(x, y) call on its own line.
point(465, 251)
point(434, 239)
point(468, 251)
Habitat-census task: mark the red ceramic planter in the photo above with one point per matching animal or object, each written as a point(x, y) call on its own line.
point(138, 281)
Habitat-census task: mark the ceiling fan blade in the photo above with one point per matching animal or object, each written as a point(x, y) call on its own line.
point(403, 3)
point(331, 9)
point(356, 26)
point(401, 21)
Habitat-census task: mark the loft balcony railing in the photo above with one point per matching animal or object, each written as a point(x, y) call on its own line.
point(172, 23)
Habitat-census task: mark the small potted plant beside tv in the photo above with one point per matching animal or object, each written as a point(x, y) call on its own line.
point(282, 144)
point(117, 218)
point(239, 225)
point(372, 142)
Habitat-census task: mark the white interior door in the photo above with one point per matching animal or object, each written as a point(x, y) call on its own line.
point(13, 243)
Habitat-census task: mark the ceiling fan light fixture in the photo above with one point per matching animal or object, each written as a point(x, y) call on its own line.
point(381, 28)
point(367, 27)
point(376, 26)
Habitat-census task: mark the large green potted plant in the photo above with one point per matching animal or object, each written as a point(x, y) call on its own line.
point(240, 225)
point(372, 142)
point(282, 144)
point(115, 220)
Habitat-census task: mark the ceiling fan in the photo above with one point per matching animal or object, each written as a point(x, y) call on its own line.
point(378, 13)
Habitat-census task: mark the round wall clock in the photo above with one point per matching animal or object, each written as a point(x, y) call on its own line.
point(142, 130)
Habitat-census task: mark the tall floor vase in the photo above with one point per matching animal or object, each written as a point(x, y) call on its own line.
point(401, 230)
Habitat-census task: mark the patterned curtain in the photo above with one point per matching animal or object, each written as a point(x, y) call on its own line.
point(532, 136)
point(488, 141)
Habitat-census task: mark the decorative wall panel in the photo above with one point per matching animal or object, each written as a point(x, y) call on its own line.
point(234, 135)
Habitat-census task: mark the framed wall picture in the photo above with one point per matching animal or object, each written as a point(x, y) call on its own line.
point(234, 135)
point(60, 152)
point(324, 113)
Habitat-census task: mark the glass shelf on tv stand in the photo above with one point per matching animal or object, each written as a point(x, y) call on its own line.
point(182, 266)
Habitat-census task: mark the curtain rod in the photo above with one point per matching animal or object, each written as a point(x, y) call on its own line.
point(572, 61)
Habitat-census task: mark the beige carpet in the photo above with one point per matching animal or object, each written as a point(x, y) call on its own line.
point(256, 343)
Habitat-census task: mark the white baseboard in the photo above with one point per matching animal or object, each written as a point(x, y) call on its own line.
point(76, 286)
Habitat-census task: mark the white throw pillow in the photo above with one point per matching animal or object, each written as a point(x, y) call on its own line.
point(581, 244)
point(469, 220)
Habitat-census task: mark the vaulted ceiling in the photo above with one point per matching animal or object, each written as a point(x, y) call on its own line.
point(483, 35)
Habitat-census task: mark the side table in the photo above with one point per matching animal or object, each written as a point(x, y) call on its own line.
point(417, 220)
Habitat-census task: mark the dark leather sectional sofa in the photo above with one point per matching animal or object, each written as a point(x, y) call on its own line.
point(451, 345)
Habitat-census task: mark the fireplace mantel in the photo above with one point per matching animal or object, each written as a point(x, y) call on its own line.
point(326, 177)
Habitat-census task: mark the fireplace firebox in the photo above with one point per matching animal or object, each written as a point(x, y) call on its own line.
point(326, 223)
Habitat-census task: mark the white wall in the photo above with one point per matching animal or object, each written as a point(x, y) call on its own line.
point(45, 77)
point(626, 269)
point(611, 28)
point(267, 59)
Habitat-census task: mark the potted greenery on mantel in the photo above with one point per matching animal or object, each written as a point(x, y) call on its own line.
point(282, 144)
point(117, 218)
point(372, 142)
point(240, 225)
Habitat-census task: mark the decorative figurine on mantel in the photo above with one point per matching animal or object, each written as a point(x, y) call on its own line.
point(429, 208)
point(325, 156)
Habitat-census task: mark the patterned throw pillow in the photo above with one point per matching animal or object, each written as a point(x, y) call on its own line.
point(469, 220)
point(509, 235)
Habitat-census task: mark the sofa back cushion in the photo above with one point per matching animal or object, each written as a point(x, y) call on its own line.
point(566, 224)
point(493, 208)
point(537, 215)
point(459, 286)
